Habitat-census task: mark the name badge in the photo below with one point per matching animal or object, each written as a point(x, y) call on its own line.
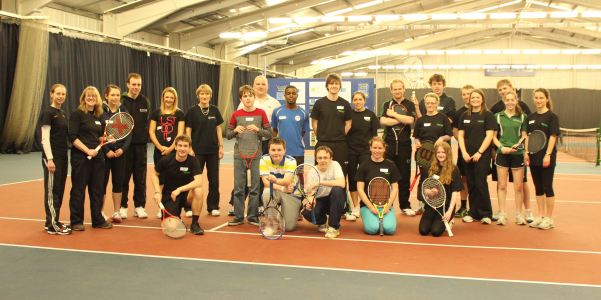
point(531, 122)
point(466, 121)
point(143, 110)
point(97, 122)
point(159, 127)
point(384, 170)
point(249, 119)
point(440, 107)
point(339, 107)
point(184, 169)
point(282, 118)
point(211, 118)
point(168, 139)
point(109, 121)
point(367, 119)
point(427, 124)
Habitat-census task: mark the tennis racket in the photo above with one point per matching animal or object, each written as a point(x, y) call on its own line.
point(306, 183)
point(423, 156)
point(271, 220)
point(172, 226)
point(435, 196)
point(117, 127)
point(379, 194)
point(536, 141)
point(398, 129)
point(248, 147)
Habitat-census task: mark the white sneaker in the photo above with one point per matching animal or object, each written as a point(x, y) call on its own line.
point(189, 214)
point(332, 233)
point(356, 212)
point(501, 219)
point(322, 228)
point(408, 212)
point(468, 219)
point(140, 213)
point(159, 214)
point(529, 216)
point(116, 218)
point(350, 217)
point(546, 223)
point(123, 212)
point(420, 209)
point(535, 222)
point(261, 209)
point(215, 213)
point(104, 216)
point(519, 219)
point(486, 221)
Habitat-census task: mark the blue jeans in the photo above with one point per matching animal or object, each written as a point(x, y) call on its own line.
point(239, 186)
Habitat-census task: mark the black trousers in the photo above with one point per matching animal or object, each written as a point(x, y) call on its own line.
point(299, 160)
point(86, 173)
point(543, 180)
point(403, 163)
point(135, 164)
point(354, 160)
point(479, 197)
point(116, 167)
point(54, 189)
point(212, 162)
point(431, 222)
point(340, 153)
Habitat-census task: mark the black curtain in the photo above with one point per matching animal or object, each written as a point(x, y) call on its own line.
point(187, 75)
point(9, 39)
point(241, 77)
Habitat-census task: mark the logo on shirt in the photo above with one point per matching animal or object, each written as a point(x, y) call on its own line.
point(166, 127)
point(480, 121)
point(297, 118)
point(340, 108)
point(439, 125)
point(184, 170)
point(143, 110)
point(544, 124)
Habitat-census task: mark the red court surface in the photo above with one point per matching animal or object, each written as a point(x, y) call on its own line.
point(568, 254)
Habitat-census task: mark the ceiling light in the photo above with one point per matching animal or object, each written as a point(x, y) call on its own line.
point(415, 17)
point(564, 14)
point(368, 4)
point(387, 18)
point(359, 18)
point(472, 16)
point(533, 15)
point(502, 16)
point(332, 19)
point(445, 16)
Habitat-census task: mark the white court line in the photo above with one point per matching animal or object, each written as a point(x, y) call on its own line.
point(556, 201)
point(217, 227)
point(307, 267)
point(18, 182)
point(366, 241)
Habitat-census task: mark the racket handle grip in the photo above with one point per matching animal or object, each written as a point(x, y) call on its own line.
point(446, 225)
point(95, 149)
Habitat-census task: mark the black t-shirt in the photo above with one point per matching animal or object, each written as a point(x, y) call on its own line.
point(500, 106)
point(445, 106)
point(331, 117)
point(370, 169)
point(167, 125)
point(549, 124)
point(139, 110)
point(175, 173)
point(430, 128)
point(405, 136)
point(456, 185)
point(59, 132)
point(86, 127)
point(475, 126)
point(365, 126)
point(458, 115)
point(204, 133)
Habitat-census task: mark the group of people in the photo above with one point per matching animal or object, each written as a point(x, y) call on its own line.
point(348, 154)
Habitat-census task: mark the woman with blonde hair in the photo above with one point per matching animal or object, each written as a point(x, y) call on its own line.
point(86, 128)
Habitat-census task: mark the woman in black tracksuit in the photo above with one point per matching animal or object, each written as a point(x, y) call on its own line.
point(476, 128)
point(432, 127)
point(55, 143)
point(364, 127)
point(114, 160)
point(85, 132)
point(542, 163)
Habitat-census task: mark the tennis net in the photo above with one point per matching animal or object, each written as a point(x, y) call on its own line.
point(581, 143)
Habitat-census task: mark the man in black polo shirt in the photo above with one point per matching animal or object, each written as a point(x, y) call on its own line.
point(446, 105)
point(181, 174)
point(135, 157)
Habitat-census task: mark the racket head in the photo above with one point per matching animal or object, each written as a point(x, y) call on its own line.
point(378, 191)
point(537, 140)
point(400, 109)
point(171, 225)
point(306, 180)
point(248, 145)
point(433, 192)
point(271, 223)
point(425, 154)
point(119, 126)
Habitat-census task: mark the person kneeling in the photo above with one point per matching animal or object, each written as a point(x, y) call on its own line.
point(181, 176)
point(377, 167)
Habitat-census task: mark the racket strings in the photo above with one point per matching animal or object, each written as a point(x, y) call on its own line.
point(433, 193)
point(248, 144)
point(119, 125)
point(379, 193)
point(536, 141)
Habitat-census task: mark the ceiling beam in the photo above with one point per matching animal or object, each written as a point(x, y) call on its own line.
point(26, 7)
point(198, 10)
point(558, 36)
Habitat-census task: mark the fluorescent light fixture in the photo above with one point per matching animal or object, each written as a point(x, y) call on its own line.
point(347, 53)
point(551, 51)
point(230, 35)
point(472, 16)
point(445, 16)
point(274, 29)
point(458, 67)
point(298, 33)
point(502, 16)
point(399, 52)
point(533, 67)
point(511, 51)
point(364, 18)
point(388, 67)
point(340, 11)
point(548, 67)
point(564, 14)
point(402, 67)
point(579, 67)
point(430, 67)
point(415, 17)
point(531, 51)
point(510, 3)
point(254, 35)
point(417, 52)
point(472, 52)
point(387, 18)
point(346, 74)
point(594, 67)
point(490, 67)
point(360, 74)
point(408, 40)
point(454, 52)
point(279, 20)
point(503, 67)
point(251, 47)
point(492, 51)
point(591, 51)
point(368, 4)
point(444, 67)
point(518, 67)
point(373, 67)
point(533, 15)
point(305, 20)
point(435, 52)
point(591, 14)
point(473, 67)
point(332, 19)
point(273, 2)
point(381, 52)
point(563, 67)
point(570, 51)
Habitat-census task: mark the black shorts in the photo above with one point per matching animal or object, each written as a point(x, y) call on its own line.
point(461, 165)
point(512, 161)
point(175, 207)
